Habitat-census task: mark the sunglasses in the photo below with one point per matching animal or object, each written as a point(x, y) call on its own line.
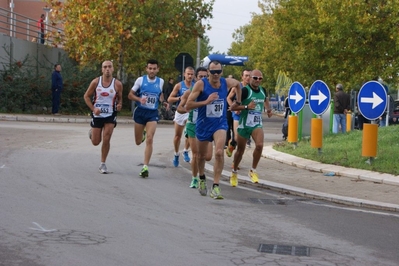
point(256, 78)
point(213, 72)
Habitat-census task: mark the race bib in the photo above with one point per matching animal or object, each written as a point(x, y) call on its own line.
point(105, 109)
point(151, 100)
point(215, 109)
point(253, 119)
point(195, 116)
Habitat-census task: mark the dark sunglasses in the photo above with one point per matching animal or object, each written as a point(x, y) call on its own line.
point(256, 78)
point(213, 72)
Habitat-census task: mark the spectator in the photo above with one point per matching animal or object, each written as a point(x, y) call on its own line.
point(56, 88)
point(40, 27)
point(341, 107)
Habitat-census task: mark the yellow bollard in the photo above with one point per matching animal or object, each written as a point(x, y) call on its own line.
point(369, 142)
point(316, 133)
point(292, 129)
point(348, 122)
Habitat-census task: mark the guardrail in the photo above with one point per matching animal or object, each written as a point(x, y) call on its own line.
point(22, 27)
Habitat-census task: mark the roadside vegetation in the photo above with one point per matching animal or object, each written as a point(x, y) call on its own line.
point(346, 150)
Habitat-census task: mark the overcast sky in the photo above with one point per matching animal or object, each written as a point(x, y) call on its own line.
point(229, 15)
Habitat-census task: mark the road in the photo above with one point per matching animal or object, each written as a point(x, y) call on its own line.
point(56, 209)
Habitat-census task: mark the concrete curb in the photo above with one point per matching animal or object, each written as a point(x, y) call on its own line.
point(286, 189)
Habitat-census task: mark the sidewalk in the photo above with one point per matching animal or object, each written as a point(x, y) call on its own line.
point(289, 174)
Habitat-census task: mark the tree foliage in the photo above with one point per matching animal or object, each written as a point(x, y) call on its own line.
point(340, 41)
point(129, 31)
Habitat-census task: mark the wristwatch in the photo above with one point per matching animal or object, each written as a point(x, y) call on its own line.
point(246, 107)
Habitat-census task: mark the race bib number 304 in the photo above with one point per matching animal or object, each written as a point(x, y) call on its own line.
point(215, 109)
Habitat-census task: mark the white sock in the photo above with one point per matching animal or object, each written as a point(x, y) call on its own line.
point(177, 153)
point(253, 170)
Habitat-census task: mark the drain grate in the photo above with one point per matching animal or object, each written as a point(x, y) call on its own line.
point(284, 250)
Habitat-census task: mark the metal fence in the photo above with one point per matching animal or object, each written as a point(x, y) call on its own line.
point(22, 27)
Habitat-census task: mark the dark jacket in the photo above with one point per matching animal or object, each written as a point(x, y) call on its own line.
point(342, 101)
point(56, 81)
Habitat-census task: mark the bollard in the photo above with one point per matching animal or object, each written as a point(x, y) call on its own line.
point(348, 122)
point(292, 129)
point(369, 142)
point(316, 133)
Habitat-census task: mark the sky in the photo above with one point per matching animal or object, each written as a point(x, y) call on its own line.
point(229, 15)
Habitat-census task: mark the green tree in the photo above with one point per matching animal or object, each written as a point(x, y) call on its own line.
point(347, 41)
point(129, 31)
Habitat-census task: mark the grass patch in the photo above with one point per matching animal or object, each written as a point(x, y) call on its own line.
point(346, 150)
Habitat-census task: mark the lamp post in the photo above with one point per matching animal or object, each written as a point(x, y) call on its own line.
point(12, 18)
point(46, 9)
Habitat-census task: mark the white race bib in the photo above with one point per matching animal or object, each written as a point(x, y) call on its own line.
point(254, 118)
point(215, 109)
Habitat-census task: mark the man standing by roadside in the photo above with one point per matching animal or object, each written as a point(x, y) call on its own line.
point(254, 100)
point(342, 105)
point(181, 118)
point(104, 98)
point(209, 96)
point(145, 116)
point(56, 89)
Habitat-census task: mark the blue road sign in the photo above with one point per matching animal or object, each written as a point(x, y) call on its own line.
point(234, 60)
point(372, 100)
point(319, 97)
point(296, 97)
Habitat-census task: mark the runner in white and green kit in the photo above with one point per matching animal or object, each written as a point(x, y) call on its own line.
point(254, 100)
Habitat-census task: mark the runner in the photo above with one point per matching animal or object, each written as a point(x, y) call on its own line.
point(149, 90)
point(250, 125)
point(104, 98)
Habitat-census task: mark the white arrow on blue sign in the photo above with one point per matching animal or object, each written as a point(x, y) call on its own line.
point(372, 100)
point(319, 97)
point(296, 97)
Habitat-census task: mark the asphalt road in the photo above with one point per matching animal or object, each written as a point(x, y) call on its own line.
point(56, 209)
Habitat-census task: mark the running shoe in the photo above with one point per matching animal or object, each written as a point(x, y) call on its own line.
point(249, 143)
point(103, 169)
point(215, 193)
point(186, 157)
point(230, 149)
point(90, 133)
point(176, 161)
point(233, 179)
point(194, 182)
point(144, 135)
point(254, 176)
point(144, 172)
point(203, 190)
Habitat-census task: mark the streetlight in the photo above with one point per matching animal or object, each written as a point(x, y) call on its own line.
point(46, 9)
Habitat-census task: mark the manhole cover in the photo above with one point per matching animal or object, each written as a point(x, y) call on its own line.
point(284, 250)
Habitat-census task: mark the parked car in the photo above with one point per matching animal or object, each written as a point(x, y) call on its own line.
point(394, 117)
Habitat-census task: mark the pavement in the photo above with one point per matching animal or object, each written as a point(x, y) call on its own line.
point(288, 174)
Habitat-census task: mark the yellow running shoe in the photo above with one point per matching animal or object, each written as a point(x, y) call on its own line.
point(254, 176)
point(144, 135)
point(233, 179)
point(229, 150)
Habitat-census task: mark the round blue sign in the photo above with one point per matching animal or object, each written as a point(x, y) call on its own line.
point(319, 97)
point(372, 100)
point(296, 97)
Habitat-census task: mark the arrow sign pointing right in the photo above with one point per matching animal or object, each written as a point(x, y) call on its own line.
point(375, 100)
point(235, 62)
point(321, 97)
point(297, 97)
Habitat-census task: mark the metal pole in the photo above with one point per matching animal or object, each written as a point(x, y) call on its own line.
point(12, 18)
point(198, 52)
point(182, 71)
